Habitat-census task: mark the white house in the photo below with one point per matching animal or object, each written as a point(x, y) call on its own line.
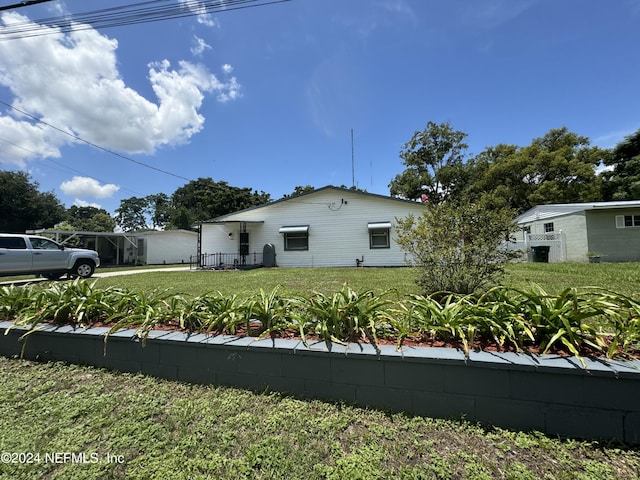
point(327, 227)
point(574, 231)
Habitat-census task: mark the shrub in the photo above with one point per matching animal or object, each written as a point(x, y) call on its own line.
point(457, 247)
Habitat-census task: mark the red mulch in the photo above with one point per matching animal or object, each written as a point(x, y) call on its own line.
point(481, 344)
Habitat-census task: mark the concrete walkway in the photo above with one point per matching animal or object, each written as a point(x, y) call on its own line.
point(102, 273)
point(107, 273)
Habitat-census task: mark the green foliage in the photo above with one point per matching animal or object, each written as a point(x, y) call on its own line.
point(559, 167)
point(131, 214)
point(556, 168)
point(577, 321)
point(204, 199)
point(623, 181)
point(23, 207)
point(271, 309)
point(344, 316)
point(90, 219)
point(457, 247)
point(434, 161)
point(196, 201)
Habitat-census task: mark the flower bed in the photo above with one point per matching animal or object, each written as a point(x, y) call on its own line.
point(590, 323)
point(362, 348)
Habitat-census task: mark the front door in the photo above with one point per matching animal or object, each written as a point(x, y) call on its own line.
point(244, 247)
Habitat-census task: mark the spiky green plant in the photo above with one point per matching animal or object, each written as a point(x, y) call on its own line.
point(271, 309)
point(346, 315)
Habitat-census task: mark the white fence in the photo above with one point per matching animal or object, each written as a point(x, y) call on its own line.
point(554, 240)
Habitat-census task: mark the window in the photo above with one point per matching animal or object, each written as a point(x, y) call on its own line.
point(296, 237)
point(13, 243)
point(548, 227)
point(379, 235)
point(627, 221)
point(43, 244)
point(141, 247)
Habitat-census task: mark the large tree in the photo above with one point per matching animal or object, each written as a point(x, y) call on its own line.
point(434, 158)
point(623, 181)
point(559, 167)
point(203, 199)
point(196, 201)
point(159, 208)
point(131, 214)
point(90, 219)
point(23, 207)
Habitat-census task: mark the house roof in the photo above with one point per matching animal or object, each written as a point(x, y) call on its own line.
point(223, 218)
point(544, 212)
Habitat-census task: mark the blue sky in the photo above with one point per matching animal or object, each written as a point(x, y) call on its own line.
point(266, 97)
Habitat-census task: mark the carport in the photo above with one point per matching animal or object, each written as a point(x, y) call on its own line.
point(114, 248)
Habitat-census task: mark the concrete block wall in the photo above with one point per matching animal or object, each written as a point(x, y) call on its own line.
point(548, 393)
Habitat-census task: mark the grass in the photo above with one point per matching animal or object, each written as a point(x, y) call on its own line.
point(554, 278)
point(164, 429)
point(248, 283)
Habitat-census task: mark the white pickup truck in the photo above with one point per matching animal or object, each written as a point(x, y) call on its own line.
point(31, 254)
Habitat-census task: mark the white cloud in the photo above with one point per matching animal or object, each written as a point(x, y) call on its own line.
point(88, 187)
point(398, 6)
point(199, 46)
point(231, 91)
point(601, 168)
point(72, 81)
point(612, 138)
point(81, 203)
point(493, 13)
point(227, 69)
point(199, 8)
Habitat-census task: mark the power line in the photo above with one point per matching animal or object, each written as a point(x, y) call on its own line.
point(25, 3)
point(64, 167)
point(95, 145)
point(142, 12)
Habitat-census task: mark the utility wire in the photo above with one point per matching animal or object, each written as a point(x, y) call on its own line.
point(80, 139)
point(65, 167)
point(25, 3)
point(141, 12)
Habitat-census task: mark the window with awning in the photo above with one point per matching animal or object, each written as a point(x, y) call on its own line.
point(296, 237)
point(379, 234)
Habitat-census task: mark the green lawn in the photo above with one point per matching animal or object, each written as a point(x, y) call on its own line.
point(157, 429)
point(620, 277)
point(162, 429)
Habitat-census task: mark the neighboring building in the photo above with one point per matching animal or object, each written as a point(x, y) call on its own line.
point(165, 247)
point(575, 231)
point(132, 248)
point(329, 226)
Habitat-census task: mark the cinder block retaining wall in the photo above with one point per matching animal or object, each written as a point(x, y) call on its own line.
point(548, 393)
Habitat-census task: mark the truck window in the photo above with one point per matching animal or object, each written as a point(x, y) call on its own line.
point(13, 243)
point(43, 244)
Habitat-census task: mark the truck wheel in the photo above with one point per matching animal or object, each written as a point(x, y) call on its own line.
point(83, 269)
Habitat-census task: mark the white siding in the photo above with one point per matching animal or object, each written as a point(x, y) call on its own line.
point(170, 246)
point(574, 227)
point(338, 229)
